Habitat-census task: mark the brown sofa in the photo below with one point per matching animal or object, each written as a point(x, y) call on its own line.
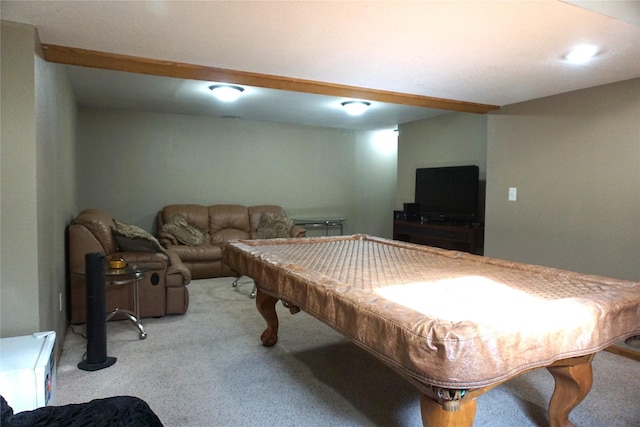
point(217, 224)
point(164, 287)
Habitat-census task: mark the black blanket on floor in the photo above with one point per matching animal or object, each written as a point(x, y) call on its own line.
point(117, 411)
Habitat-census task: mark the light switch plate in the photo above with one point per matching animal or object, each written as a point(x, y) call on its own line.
point(513, 194)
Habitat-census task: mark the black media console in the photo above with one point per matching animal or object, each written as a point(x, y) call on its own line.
point(466, 238)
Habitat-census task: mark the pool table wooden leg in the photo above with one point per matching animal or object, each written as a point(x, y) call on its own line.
point(266, 305)
point(573, 383)
point(434, 416)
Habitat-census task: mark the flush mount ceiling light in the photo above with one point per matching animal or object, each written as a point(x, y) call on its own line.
point(581, 54)
point(355, 108)
point(226, 93)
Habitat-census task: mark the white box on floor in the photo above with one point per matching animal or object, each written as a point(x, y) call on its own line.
point(28, 371)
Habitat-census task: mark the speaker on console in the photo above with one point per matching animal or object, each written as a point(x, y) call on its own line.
point(412, 211)
point(96, 318)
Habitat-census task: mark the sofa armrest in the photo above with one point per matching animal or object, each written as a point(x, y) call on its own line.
point(146, 260)
point(167, 239)
point(176, 266)
point(157, 261)
point(297, 231)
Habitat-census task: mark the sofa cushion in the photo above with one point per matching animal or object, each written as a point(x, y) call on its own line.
point(183, 231)
point(222, 217)
point(201, 253)
point(273, 226)
point(255, 213)
point(196, 215)
point(131, 238)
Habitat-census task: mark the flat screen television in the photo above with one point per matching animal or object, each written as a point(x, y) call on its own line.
point(448, 194)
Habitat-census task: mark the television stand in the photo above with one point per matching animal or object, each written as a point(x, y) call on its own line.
point(456, 237)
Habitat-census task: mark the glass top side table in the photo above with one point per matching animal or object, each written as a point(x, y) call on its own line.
point(129, 275)
point(322, 223)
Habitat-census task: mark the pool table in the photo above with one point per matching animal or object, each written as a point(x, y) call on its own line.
point(453, 324)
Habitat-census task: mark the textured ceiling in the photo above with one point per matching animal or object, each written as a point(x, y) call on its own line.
point(490, 52)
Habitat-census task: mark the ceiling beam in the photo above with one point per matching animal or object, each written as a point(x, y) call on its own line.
point(134, 64)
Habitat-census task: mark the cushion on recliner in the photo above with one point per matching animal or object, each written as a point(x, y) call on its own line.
point(196, 215)
point(273, 226)
point(134, 239)
point(255, 213)
point(183, 231)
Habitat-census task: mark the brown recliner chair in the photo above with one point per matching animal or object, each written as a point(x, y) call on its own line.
point(162, 291)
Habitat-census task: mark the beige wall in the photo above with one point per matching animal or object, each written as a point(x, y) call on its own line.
point(56, 187)
point(19, 239)
point(37, 184)
point(451, 139)
point(575, 160)
point(375, 182)
point(131, 164)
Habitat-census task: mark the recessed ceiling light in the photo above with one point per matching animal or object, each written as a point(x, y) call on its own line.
point(226, 93)
point(355, 108)
point(581, 54)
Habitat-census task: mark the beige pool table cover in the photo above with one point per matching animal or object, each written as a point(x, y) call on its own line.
point(443, 318)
